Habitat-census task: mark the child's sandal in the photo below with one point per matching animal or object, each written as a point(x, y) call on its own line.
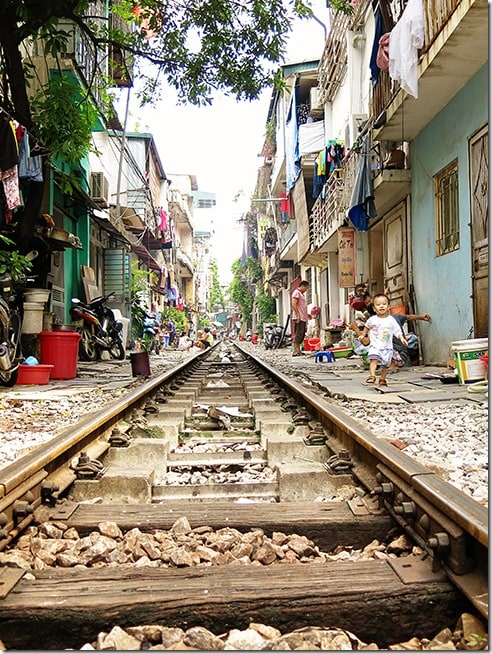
point(383, 382)
point(371, 379)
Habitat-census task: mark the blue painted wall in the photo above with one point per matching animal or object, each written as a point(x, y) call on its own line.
point(443, 285)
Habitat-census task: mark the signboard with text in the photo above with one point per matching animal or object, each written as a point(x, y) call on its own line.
point(346, 257)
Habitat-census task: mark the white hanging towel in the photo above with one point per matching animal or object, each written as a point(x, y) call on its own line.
point(406, 38)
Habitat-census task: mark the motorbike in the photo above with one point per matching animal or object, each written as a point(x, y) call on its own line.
point(150, 332)
point(100, 330)
point(273, 336)
point(11, 314)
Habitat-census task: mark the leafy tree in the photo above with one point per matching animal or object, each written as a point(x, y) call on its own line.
point(267, 309)
point(216, 295)
point(197, 47)
point(245, 275)
point(177, 317)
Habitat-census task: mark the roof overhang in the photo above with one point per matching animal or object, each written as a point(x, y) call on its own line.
point(144, 255)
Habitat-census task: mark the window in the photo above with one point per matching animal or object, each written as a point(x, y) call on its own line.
point(446, 209)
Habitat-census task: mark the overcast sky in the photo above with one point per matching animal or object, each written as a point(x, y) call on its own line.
point(220, 144)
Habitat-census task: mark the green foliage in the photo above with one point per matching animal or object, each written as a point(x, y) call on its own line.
point(241, 290)
point(140, 285)
point(198, 47)
point(175, 316)
point(342, 6)
point(12, 262)
point(216, 294)
point(63, 119)
point(267, 309)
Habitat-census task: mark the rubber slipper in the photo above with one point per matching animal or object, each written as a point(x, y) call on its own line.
point(371, 379)
point(383, 382)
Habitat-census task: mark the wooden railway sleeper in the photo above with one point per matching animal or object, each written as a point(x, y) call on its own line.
point(437, 534)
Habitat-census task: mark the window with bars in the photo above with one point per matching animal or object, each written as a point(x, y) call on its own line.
point(446, 209)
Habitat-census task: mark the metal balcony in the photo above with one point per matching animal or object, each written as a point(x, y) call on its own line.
point(455, 48)
point(329, 210)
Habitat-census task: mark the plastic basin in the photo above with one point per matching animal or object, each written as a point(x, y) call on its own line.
point(340, 352)
point(38, 375)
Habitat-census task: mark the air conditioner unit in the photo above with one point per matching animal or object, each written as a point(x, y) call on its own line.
point(58, 302)
point(99, 189)
point(352, 128)
point(315, 99)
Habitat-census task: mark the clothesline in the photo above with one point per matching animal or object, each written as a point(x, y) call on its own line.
point(37, 145)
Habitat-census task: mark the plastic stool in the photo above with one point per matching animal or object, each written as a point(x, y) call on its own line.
point(319, 356)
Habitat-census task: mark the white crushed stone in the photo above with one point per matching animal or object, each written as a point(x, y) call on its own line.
point(450, 438)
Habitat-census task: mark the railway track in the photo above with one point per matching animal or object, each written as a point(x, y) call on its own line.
point(208, 452)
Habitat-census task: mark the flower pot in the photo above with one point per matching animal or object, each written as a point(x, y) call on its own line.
point(40, 295)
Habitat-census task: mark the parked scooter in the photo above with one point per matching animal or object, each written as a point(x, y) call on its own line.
point(11, 314)
point(151, 333)
point(99, 329)
point(273, 336)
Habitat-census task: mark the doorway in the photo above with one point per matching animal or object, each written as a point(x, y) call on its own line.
point(388, 267)
point(479, 212)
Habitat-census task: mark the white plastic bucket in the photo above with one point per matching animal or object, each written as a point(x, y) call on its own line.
point(467, 359)
point(32, 322)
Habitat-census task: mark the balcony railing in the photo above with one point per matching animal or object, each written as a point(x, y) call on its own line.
point(333, 64)
point(331, 207)
point(287, 234)
point(329, 210)
point(437, 13)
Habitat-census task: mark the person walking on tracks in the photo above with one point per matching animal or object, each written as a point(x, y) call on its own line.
point(378, 332)
point(300, 316)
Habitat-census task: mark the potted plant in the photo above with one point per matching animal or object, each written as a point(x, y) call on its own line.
point(12, 262)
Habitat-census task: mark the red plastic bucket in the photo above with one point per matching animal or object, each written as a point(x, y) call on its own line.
point(60, 349)
point(311, 344)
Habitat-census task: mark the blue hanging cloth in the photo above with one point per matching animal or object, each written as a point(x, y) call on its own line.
point(362, 206)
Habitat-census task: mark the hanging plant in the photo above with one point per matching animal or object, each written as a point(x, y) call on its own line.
point(12, 261)
point(343, 6)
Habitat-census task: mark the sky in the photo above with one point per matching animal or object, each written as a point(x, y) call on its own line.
point(221, 144)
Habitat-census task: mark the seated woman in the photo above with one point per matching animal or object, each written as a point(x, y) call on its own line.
point(200, 341)
point(184, 342)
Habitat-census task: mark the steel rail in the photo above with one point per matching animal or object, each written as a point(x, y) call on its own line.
point(378, 464)
point(449, 525)
point(53, 458)
point(466, 512)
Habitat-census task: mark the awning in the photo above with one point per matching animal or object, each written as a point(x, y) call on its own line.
point(185, 260)
point(144, 255)
point(104, 220)
point(134, 224)
point(131, 220)
point(59, 239)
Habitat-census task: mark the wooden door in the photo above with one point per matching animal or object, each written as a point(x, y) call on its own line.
point(479, 212)
point(394, 255)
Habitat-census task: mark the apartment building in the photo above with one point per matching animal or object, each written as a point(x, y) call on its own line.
point(380, 174)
